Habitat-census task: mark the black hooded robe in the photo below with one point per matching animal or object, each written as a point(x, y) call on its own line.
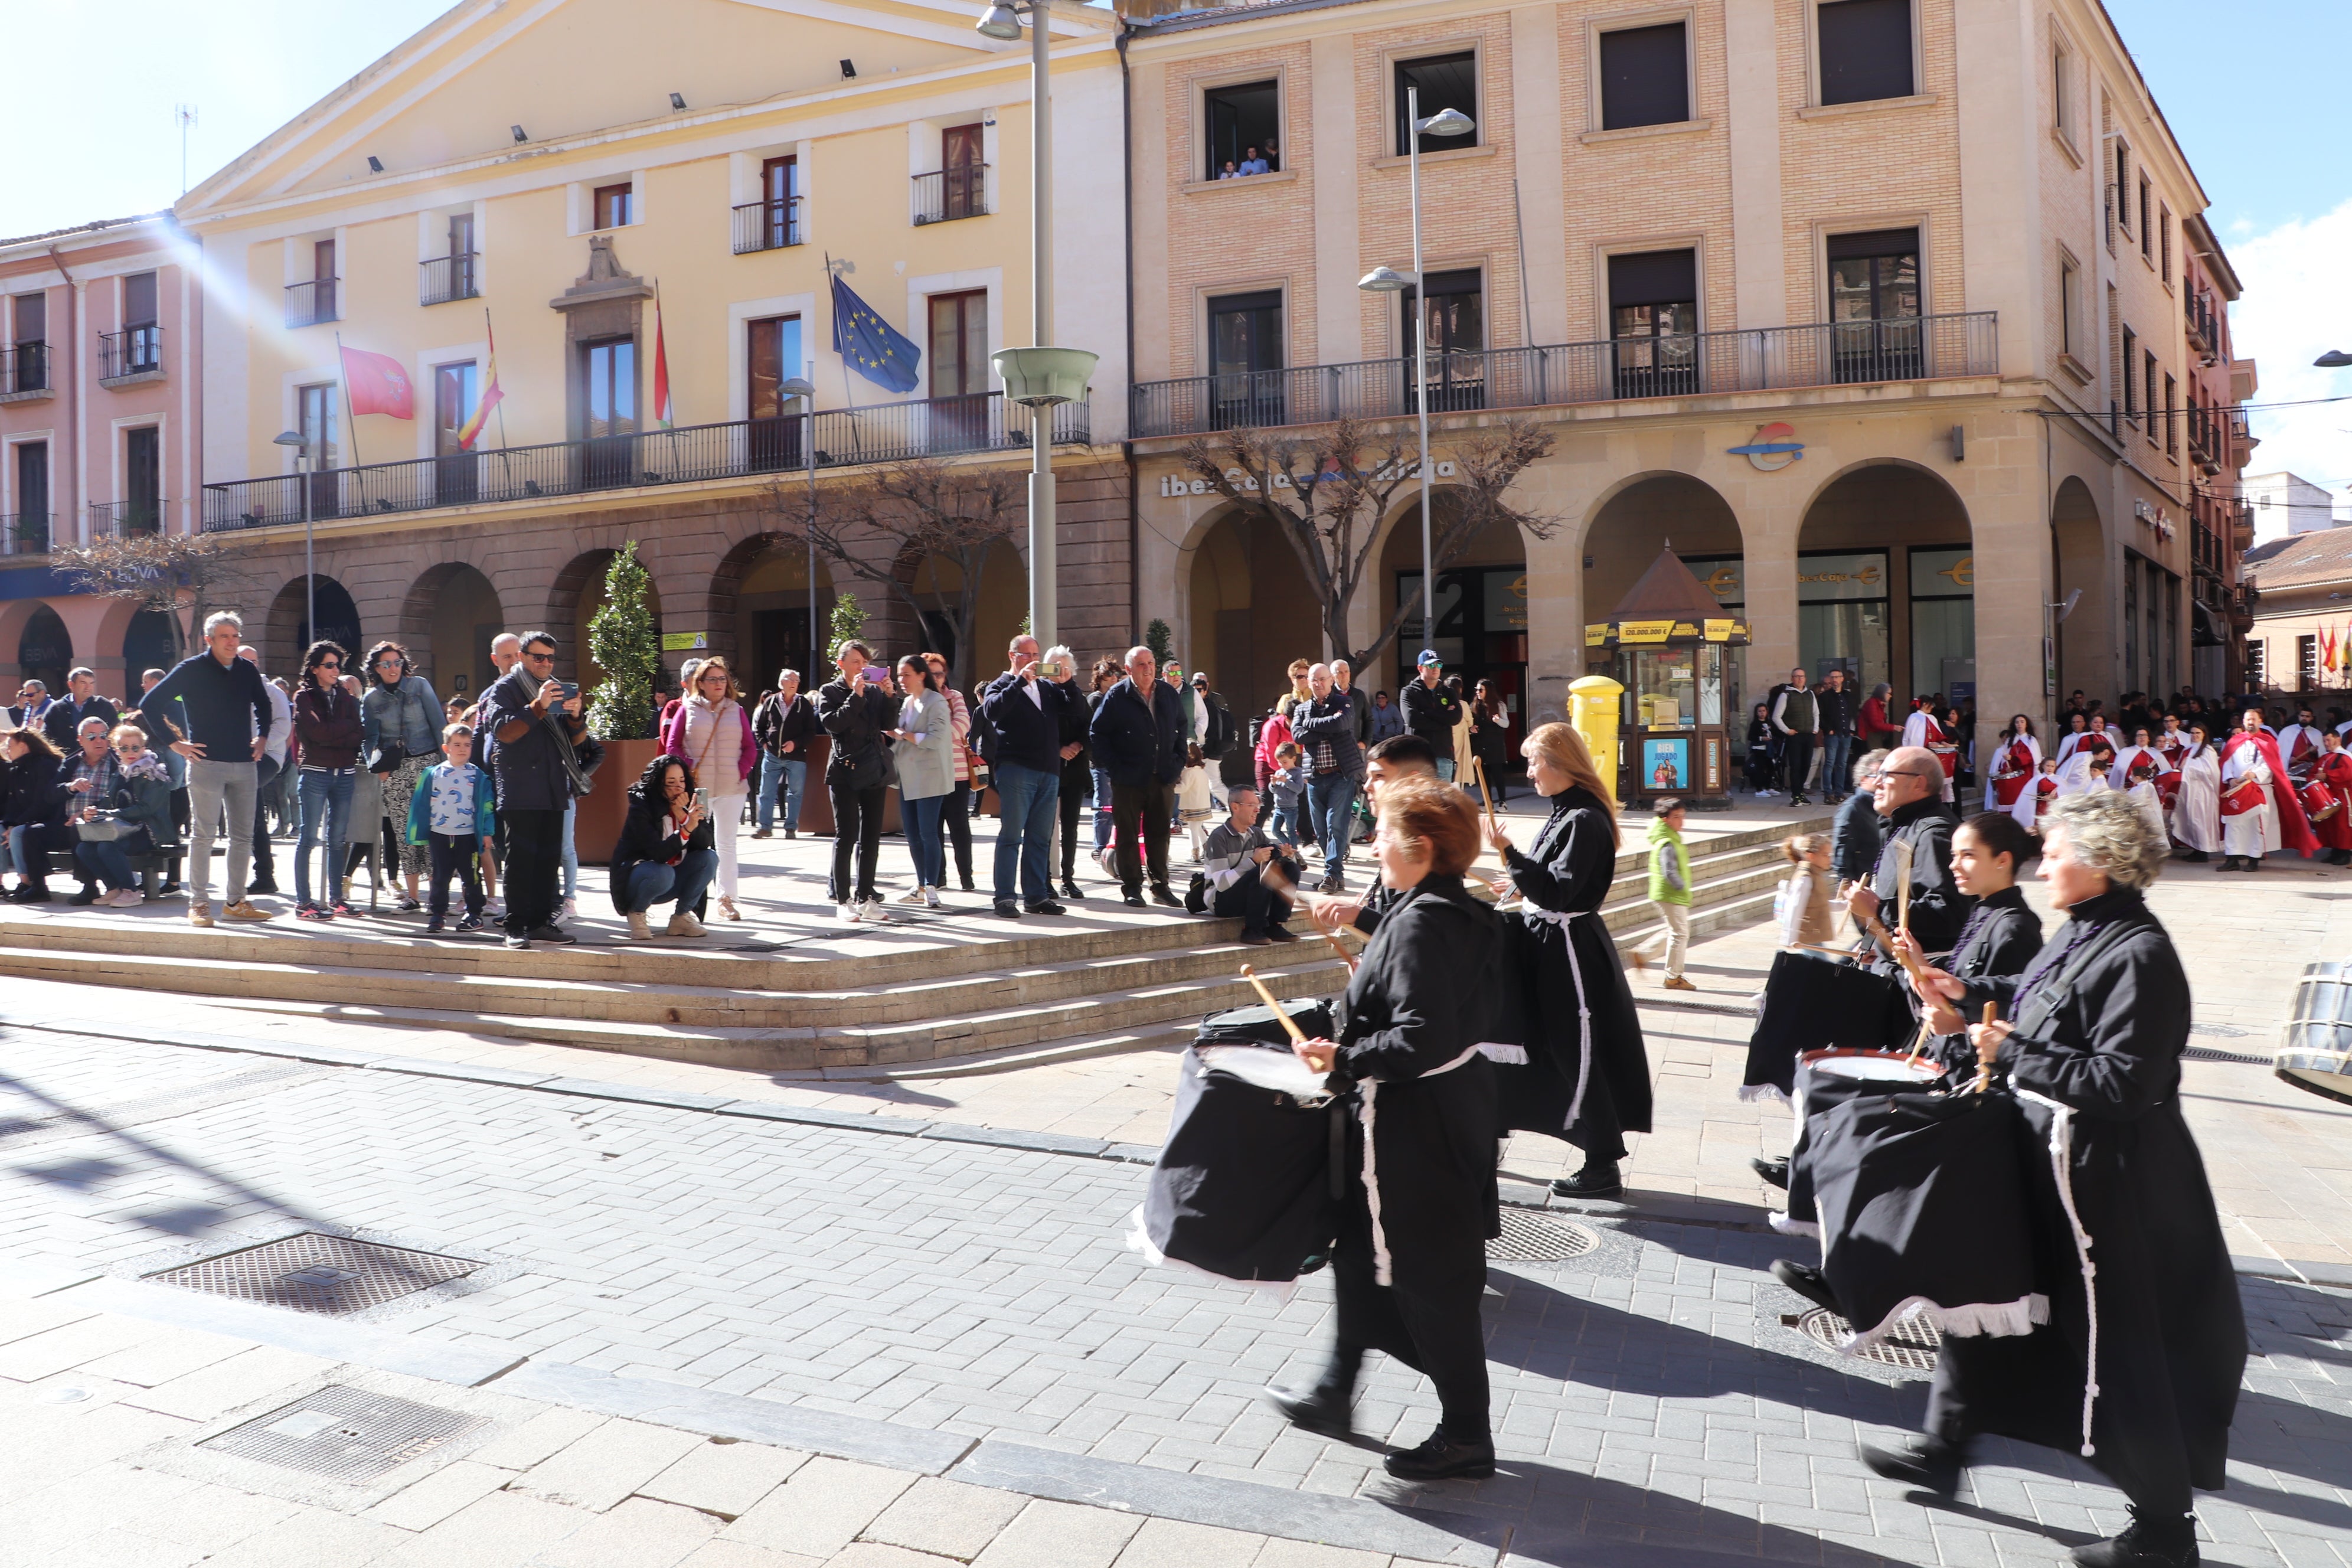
point(2101, 1021)
point(2002, 935)
point(1568, 871)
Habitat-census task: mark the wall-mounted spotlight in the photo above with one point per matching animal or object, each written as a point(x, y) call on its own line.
point(1960, 444)
point(678, 101)
point(848, 70)
point(519, 134)
point(375, 164)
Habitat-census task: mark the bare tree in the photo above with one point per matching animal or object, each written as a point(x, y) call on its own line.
point(1325, 492)
point(183, 576)
point(882, 530)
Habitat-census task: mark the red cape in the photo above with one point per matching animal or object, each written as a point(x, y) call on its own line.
point(2294, 828)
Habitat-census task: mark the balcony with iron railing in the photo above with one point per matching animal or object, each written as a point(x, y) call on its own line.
point(25, 533)
point(844, 437)
point(2197, 310)
point(126, 518)
point(135, 354)
point(23, 371)
point(447, 278)
point(945, 194)
point(308, 304)
point(767, 226)
point(1698, 364)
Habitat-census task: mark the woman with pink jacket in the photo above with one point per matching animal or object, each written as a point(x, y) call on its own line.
point(711, 729)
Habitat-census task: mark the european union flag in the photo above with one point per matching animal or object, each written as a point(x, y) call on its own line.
point(874, 348)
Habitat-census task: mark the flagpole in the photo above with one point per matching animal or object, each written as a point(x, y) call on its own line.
point(491, 334)
point(344, 378)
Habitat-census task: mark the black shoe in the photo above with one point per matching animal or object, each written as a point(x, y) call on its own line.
point(1160, 895)
point(1247, 940)
point(1810, 1283)
point(1442, 1459)
point(968, 886)
point(1070, 890)
point(1316, 1410)
point(555, 934)
point(1599, 1179)
point(1044, 907)
point(34, 893)
point(2197, 857)
point(1774, 1172)
point(471, 922)
point(1927, 1464)
point(269, 888)
point(764, 833)
point(1133, 900)
point(1280, 933)
point(433, 926)
point(2145, 1543)
point(1008, 909)
point(795, 833)
point(82, 896)
point(2252, 863)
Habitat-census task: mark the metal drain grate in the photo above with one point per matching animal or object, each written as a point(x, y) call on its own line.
point(1533, 1238)
point(345, 1433)
point(331, 1275)
point(1911, 1344)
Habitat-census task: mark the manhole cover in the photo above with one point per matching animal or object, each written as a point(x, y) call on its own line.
point(313, 1273)
point(346, 1433)
point(1533, 1238)
point(1910, 1344)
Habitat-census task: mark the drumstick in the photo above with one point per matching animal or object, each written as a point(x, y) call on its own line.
point(1289, 1024)
point(1479, 772)
point(1340, 947)
point(1987, 1048)
point(1903, 892)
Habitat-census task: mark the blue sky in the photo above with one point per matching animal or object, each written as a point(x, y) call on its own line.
point(2254, 91)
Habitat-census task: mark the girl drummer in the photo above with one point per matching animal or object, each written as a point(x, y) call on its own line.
point(1410, 1266)
point(2002, 933)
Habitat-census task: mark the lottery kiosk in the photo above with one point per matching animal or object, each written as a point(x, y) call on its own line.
point(1669, 637)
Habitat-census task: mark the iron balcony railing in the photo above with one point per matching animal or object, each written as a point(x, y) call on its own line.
point(767, 226)
point(2198, 311)
point(939, 427)
point(308, 304)
point(24, 367)
point(126, 518)
point(447, 278)
point(25, 533)
point(1828, 353)
point(135, 350)
point(947, 193)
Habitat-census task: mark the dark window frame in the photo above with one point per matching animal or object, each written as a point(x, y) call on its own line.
point(1844, 71)
point(1399, 114)
point(1218, 149)
point(1629, 103)
point(626, 193)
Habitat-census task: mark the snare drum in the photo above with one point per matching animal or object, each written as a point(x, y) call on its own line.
point(1864, 1072)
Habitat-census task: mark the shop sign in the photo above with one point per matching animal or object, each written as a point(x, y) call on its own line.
point(1773, 448)
point(685, 642)
point(1942, 574)
point(1595, 635)
point(1720, 631)
point(1645, 631)
point(1857, 576)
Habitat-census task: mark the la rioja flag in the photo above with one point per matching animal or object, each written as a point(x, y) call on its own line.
point(375, 383)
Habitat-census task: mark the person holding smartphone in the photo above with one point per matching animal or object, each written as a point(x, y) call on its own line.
point(856, 711)
point(519, 713)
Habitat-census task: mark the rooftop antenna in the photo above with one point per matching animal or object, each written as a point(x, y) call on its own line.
point(185, 114)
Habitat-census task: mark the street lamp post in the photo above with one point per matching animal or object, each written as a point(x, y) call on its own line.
point(302, 446)
point(1388, 280)
point(1039, 377)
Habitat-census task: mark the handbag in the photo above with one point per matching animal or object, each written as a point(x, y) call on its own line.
point(104, 829)
point(387, 758)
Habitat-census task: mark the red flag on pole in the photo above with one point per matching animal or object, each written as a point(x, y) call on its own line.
point(661, 366)
point(492, 394)
point(375, 383)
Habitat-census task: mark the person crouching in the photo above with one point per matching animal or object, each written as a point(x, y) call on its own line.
point(665, 852)
point(451, 817)
point(1248, 875)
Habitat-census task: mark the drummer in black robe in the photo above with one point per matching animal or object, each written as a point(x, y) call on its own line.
point(1587, 1078)
point(1399, 756)
point(1410, 1264)
point(2099, 1022)
point(1910, 800)
point(2002, 935)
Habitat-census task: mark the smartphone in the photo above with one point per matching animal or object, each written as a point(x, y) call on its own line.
point(570, 689)
point(702, 801)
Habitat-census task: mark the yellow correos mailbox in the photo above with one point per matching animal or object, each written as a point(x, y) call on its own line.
point(1592, 710)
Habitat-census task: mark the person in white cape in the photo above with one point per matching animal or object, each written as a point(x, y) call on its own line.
point(2197, 810)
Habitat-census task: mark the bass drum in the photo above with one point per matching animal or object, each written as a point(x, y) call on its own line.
point(1825, 1080)
point(2318, 1046)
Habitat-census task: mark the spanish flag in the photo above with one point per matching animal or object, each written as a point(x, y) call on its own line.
point(471, 431)
point(661, 366)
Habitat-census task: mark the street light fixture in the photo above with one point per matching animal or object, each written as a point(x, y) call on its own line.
point(1388, 280)
point(804, 389)
point(2333, 359)
point(1040, 376)
point(301, 445)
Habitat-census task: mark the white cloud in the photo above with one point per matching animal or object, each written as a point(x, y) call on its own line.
point(2295, 307)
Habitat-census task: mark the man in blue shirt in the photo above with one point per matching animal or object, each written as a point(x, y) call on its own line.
point(1024, 709)
point(221, 708)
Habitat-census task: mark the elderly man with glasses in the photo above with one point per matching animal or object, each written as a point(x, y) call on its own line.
point(1909, 795)
point(520, 711)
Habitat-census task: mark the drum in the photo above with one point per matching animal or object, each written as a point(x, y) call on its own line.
point(1825, 1080)
point(1811, 1005)
point(2319, 1045)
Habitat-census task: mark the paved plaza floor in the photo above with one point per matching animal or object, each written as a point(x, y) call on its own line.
point(738, 1321)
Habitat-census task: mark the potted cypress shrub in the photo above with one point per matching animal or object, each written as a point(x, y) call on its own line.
point(626, 645)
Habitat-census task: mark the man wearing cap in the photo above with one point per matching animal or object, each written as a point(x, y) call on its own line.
point(1431, 712)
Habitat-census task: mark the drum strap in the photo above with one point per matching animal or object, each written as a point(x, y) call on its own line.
point(2062, 1166)
point(1367, 1100)
point(1583, 1004)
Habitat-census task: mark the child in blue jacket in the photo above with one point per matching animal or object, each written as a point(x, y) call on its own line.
point(453, 813)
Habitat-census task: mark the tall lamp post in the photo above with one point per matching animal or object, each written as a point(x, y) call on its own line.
point(804, 389)
point(1388, 280)
point(302, 462)
point(1039, 377)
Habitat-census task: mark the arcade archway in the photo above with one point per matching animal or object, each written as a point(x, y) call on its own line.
point(1887, 584)
point(1622, 541)
point(1481, 626)
point(937, 583)
point(1251, 613)
point(458, 612)
point(45, 650)
point(2087, 637)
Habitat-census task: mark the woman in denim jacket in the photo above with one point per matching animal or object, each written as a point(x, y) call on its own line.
point(398, 709)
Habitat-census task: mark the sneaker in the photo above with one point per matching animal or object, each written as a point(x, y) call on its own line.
point(1442, 1459)
point(727, 910)
point(432, 925)
point(265, 888)
point(875, 915)
point(124, 899)
point(930, 898)
point(1010, 910)
point(517, 941)
point(846, 914)
point(683, 924)
point(471, 922)
point(762, 833)
point(913, 895)
point(553, 935)
point(200, 914)
point(1676, 982)
point(342, 910)
point(1044, 907)
point(310, 912)
point(409, 904)
point(571, 912)
point(243, 909)
point(1132, 900)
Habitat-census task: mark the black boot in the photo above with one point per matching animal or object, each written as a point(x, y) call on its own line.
point(1599, 1179)
point(2148, 1542)
point(1810, 1283)
point(2229, 863)
point(2252, 863)
point(1930, 1464)
point(1442, 1459)
point(1325, 1407)
point(1774, 1172)
point(2197, 857)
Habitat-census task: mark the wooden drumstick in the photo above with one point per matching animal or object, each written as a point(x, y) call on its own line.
point(1479, 772)
point(1987, 1049)
point(1340, 947)
point(1289, 1024)
point(1903, 890)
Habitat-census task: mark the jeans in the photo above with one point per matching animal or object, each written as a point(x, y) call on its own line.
point(265, 784)
point(920, 818)
point(1837, 765)
point(213, 787)
point(459, 854)
point(791, 774)
point(109, 862)
point(1445, 769)
point(1025, 834)
point(955, 820)
point(570, 851)
point(651, 882)
point(534, 861)
point(1330, 799)
point(1258, 906)
point(1140, 813)
point(1283, 826)
point(857, 829)
point(325, 801)
point(1102, 810)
